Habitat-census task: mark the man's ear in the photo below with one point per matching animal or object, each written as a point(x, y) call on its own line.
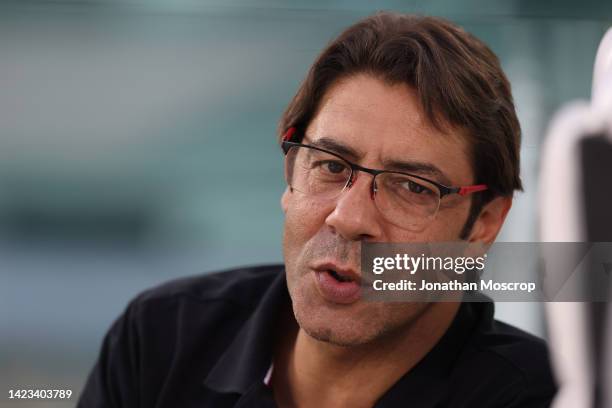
point(285, 199)
point(490, 220)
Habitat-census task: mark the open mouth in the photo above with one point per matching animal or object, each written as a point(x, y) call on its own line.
point(338, 277)
point(337, 285)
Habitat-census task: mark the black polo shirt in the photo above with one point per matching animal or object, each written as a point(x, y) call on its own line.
point(207, 341)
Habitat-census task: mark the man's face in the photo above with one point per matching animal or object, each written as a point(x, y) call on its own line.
point(379, 123)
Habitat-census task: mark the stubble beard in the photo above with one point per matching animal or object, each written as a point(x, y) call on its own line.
point(358, 324)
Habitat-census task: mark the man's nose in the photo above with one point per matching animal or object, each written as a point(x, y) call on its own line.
point(355, 215)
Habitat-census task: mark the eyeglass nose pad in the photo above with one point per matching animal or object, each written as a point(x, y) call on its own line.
point(351, 180)
point(374, 188)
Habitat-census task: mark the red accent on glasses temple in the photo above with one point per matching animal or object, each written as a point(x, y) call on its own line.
point(288, 134)
point(472, 189)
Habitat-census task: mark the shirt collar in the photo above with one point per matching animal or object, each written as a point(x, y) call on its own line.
point(248, 357)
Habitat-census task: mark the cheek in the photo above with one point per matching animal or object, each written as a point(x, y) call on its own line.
point(450, 221)
point(447, 226)
point(303, 219)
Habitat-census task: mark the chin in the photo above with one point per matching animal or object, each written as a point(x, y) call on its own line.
point(359, 324)
point(338, 337)
point(335, 324)
point(337, 333)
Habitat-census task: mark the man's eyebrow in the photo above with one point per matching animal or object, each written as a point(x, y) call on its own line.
point(418, 168)
point(424, 169)
point(336, 147)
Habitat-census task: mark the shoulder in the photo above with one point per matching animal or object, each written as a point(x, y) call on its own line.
point(188, 311)
point(516, 351)
point(191, 309)
point(177, 329)
point(241, 286)
point(188, 307)
point(505, 364)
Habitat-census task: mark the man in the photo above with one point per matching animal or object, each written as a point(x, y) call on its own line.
point(428, 107)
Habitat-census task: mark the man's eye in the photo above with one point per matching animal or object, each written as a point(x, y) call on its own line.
point(416, 188)
point(333, 167)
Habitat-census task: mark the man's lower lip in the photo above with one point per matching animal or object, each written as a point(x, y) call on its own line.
point(336, 291)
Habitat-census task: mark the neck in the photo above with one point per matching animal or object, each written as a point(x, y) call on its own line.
point(309, 372)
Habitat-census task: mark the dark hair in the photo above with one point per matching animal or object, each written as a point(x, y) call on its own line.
point(458, 80)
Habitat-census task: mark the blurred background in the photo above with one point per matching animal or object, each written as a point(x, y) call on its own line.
point(137, 145)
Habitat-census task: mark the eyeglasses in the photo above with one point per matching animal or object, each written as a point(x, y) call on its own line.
point(405, 200)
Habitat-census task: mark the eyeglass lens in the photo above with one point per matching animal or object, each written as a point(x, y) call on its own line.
point(404, 200)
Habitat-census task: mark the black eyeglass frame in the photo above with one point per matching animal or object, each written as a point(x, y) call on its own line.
point(444, 190)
